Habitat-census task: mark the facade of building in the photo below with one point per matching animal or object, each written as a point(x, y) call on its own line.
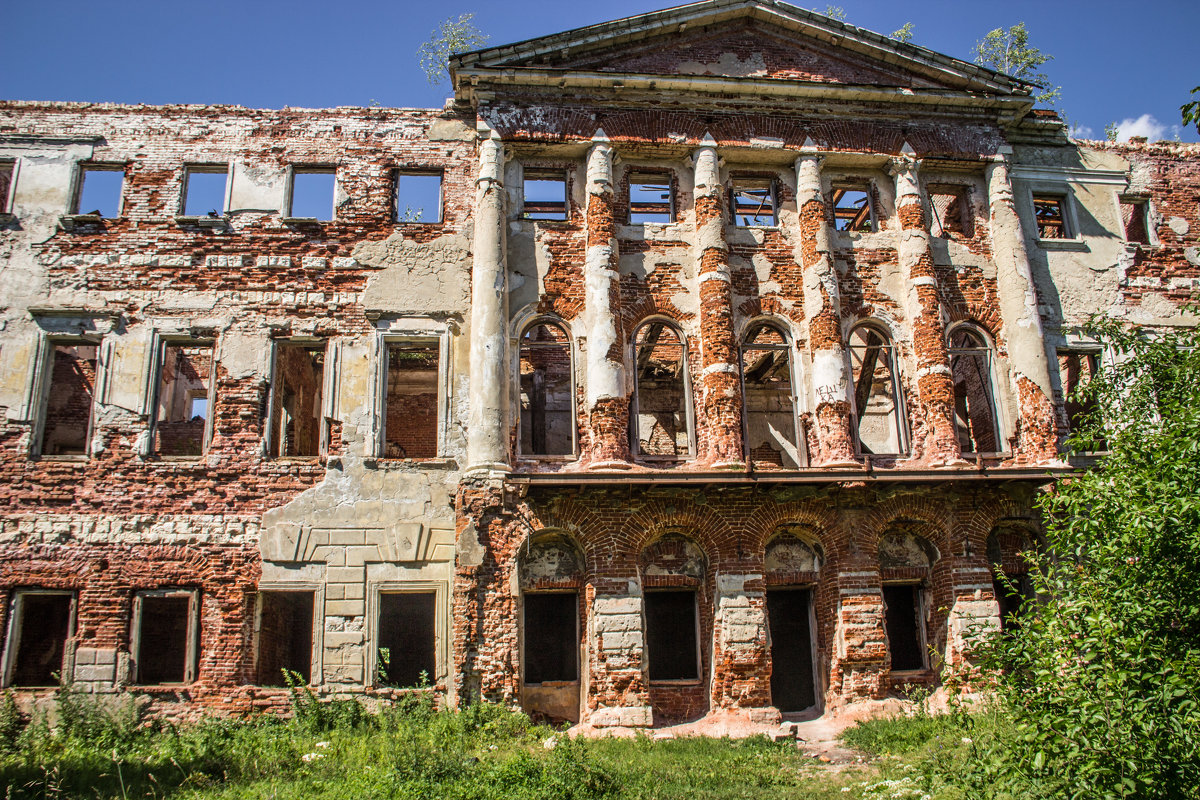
point(711, 359)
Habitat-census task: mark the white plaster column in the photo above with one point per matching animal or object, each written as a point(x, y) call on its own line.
point(487, 445)
point(1019, 312)
point(608, 403)
point(822, 310)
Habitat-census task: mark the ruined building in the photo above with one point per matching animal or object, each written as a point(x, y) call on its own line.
point(708, 359)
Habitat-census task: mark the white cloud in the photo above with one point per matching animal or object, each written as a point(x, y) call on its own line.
point(1081, 132)
point(1145, 125)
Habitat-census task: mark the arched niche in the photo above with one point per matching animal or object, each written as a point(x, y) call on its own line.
point(550, 561)
point(792, 556)
point(673, 559)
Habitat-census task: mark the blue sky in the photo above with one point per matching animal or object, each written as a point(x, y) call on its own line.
point(1116, 61)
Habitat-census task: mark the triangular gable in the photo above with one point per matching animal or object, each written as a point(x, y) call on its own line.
point(758, 39)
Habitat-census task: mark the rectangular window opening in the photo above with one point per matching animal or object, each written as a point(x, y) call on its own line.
point(411, 416)
point(40, 629)
point(1050, 214)
point(407, 639)
point(418, 197)
point(164, 637)
point(545, 195)
point(312, 193)
point(66, 426)
point(905, 627)
point(547, 393)
point(551, 637)
point(204, 191)
point(182, 415)
point(950, 213)
point(1076, 368)
point(6, 176)
point(297, 405)
point(650, 198)
point(285, 636)
point(100, 191)
point(752, 202)
point(672, 640)
point(852, 208)
point(1135, 219)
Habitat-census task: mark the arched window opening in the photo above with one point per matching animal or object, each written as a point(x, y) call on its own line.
point(974, 392)
point(770, 400)
point(661, 419)
point(905, 561)
point(877, 403)
point(547, 392)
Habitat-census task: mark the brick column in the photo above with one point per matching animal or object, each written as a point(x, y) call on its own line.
point(822, 309)
point(608, 402)
point(720, 438)
point(487, 441)
point(935, 385)
point(1022, 322)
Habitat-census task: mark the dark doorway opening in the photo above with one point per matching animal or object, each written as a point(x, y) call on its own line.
point(41, 637)
point(285, 637)
point(903, 622)
point(788, 615)
point(407, 637)
point(671, 636)
point(551, 638)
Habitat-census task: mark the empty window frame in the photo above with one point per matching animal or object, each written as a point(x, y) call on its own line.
point(1050, 215)
point(545, 193)
point(312, 193)
point(1135, 219)
point(662, 415)
point(673, 635)
point(69, 394)
point(165, 635)
point(418, 196)
point(547, 391)
point(878, 404)
point(770, 400)
point(297, 400)
point(973, 369)
point(40, 623)
point(650, 198)
point(851, 203)
point(406, 639)
point(1076, 368)
point(752, 202)
point(950, 212)
point(411, 427)
point(183, 399)
point(904, 620)
point(204, 190)
point(99, 190)
point(7, 171)
point(285, 636)
point(551, 628)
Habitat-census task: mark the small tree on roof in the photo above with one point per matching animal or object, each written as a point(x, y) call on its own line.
point(452, 36)
point(1010, 52)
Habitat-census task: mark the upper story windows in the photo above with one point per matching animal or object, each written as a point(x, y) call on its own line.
point(950, 212)
point(975, 413)
point(851, 202)
point(297, 420)
point(68, 395)
point(878, 404)
point(183, 399)
point(770, 399)
point(545, 193)
point(418, 196)
point(1135, 219)
point(205, 190)
point(1052, 217)
point(99, 189)
point(547, 391)
point(7, 172)
point(650, 198)
point(311, 193)
point(411, 397)
point(661, 412)
point(753, 202)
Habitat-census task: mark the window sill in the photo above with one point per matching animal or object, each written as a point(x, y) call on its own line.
point(65, 459)
point(1076, 245)
point(552, 685)
point(410, 463)
point(73, 222)
point(416, 223)
point(178, 459)
point(677, 682)
point(563, 459)
point(214, 223)
point(295, 459)
point(303, 222)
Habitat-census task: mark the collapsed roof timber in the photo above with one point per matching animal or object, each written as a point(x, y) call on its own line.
point(705, 360)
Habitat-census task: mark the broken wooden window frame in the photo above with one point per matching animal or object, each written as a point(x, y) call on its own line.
point(862, 220)
point(401, 214)
point(399, 332)
point(317, 590)
point(161, 344)
point(293, 170)
point(1041, 200)
point(545, 210)
point(899, 412)
point(441, 612)
point(192, 643)
point(1140, 213)
point(746, 345)
point(983, 350)
point(10, 167)
point(749, 197)
point(569, 344)
point(651, 179)
point(80, 178)
point(689, 409)
point(271, 435)
point(15, 633)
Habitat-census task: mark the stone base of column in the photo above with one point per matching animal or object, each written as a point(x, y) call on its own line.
point(621, 717)
point(600, 466)
point(487, 469)
point(733, 466)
